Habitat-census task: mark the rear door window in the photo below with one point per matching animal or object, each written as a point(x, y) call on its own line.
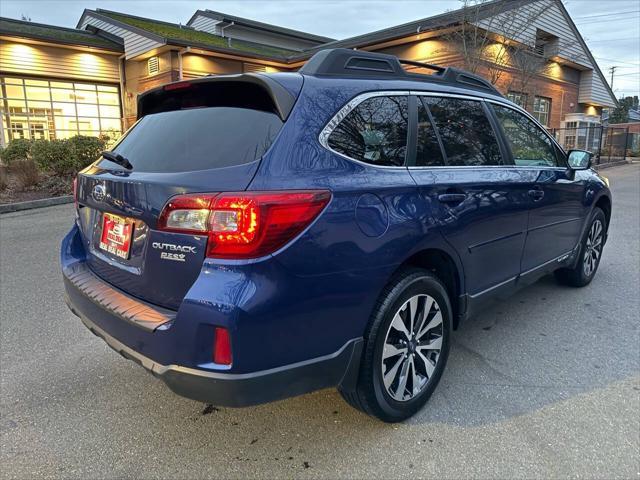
point(466, 133)
point(198, 139)
point(530, 146)
point(374, 132)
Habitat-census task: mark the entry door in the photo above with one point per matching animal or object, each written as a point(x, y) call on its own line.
point(556, 198)
point(479, 201)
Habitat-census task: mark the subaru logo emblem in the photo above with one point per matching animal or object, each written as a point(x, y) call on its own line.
point(99, 193)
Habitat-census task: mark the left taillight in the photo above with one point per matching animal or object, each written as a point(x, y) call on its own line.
point(245, 224)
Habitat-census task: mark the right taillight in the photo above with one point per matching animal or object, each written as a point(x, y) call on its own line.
point(245, 224)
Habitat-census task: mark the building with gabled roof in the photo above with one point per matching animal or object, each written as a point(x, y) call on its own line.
point(56, 82)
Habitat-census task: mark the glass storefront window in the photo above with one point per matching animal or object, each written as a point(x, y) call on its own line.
point(87, 110)
point(50, 109)
point(109, 111)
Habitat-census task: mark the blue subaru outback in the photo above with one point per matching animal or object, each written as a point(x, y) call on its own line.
point(254, 237)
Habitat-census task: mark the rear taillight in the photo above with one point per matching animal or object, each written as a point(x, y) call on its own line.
point(245, 224)
point(222, 346)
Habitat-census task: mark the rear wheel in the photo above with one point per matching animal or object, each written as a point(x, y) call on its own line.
point(590, 253)
point(406, 347)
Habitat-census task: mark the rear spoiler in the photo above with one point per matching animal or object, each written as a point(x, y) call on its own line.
point(257, 91)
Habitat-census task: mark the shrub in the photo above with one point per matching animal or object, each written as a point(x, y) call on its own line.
point(26, 172)
point(86, 150)
point(110, 137)
point(54, 155)
point(16, 150)
point(4, 180)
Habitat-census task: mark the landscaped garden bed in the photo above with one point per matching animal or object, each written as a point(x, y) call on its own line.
point(36, 169)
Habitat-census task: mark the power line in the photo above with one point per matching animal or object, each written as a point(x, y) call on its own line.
point(609, 20)
point(617, 61)
point(606, 14)
point(614, 39)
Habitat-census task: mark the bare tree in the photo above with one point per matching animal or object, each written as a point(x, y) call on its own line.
point(489, 40)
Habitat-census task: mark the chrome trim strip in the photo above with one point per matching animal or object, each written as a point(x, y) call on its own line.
point(549, 262)
point(323, 138)
point(498, 285)
point(559, 258)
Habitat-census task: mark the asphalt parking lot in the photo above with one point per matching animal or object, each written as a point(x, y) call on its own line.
point(546, 384)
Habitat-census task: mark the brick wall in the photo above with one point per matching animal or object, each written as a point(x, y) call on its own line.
point(563, 95)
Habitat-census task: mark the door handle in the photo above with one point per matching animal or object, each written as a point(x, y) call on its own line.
point(452, 197)
point(536, 194)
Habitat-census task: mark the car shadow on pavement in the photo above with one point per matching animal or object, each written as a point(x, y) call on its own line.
point(543, 345)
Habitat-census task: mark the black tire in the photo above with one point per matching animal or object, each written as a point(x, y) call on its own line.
point(580, 275)
point(371, 396)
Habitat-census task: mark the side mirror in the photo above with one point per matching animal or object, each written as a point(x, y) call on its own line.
point(579, 159)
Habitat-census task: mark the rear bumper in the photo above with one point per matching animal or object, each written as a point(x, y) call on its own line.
point(242, 390)
point(176, 346)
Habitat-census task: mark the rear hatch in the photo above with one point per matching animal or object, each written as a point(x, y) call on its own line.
point(206, 135)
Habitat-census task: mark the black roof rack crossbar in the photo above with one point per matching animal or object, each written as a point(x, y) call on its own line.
point(429, 66)
point(360, 63)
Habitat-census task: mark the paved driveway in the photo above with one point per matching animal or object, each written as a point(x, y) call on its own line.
point(546, 384)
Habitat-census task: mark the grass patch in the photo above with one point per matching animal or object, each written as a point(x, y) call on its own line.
point(186, 34)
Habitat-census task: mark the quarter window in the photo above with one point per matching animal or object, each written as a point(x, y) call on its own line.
point(541, 109)
point(374, 132)
point(529, 144)
point(467, 136)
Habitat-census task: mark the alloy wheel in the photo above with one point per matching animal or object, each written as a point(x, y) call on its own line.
point(593, 248)
point(412, 347)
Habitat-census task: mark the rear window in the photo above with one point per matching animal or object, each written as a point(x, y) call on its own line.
point(198, 139)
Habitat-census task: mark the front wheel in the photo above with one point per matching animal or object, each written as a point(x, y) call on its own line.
point(590, 253)
point(406, 347)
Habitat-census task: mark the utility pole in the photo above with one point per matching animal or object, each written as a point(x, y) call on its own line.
point(612, 70)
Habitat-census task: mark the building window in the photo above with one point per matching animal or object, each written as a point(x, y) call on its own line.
point(546, 43)
point(51, 109)
point(518, 98)
point(541, 109)
point(153, 65)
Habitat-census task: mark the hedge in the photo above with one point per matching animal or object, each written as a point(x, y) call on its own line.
point(63, 157)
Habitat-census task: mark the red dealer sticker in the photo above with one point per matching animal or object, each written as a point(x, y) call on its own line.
point(116, 235)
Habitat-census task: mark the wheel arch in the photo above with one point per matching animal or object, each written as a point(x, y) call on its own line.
point(442, 264)
point(604, 204)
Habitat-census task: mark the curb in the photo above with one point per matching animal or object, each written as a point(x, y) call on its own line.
point(44, 202)
point(612, 164)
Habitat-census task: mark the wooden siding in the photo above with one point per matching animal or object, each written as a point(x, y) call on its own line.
point(134, 43)
point(592, 90)
point(241, 32)
point(547, 16)
point(206, 24)
point(57, 62)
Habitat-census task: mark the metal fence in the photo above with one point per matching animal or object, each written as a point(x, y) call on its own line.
point(607, 143)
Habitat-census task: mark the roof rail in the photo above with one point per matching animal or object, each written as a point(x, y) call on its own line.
point(357, 63)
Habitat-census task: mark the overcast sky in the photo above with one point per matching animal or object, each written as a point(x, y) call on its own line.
point(611, 28)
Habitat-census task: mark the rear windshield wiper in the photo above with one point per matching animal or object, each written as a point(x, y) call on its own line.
point(117, 158)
